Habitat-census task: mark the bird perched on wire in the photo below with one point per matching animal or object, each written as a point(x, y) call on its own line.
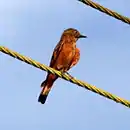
point(64, 57)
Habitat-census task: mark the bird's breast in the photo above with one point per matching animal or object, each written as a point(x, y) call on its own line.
point(69, 50)
point(66, 55)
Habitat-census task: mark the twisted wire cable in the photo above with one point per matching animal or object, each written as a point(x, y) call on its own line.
point(106, 10)
point(65, 76)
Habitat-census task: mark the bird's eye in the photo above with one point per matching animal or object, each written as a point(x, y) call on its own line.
point(75, 32)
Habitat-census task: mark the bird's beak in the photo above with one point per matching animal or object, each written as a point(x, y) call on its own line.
point(82, 36)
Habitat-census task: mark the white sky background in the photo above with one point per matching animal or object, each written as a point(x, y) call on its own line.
point(33, 28)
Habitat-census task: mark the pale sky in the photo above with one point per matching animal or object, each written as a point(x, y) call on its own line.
point(33, 28)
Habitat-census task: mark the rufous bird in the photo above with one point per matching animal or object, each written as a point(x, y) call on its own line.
point(64, 57)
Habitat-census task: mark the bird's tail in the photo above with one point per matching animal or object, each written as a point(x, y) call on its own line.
point(46, 87)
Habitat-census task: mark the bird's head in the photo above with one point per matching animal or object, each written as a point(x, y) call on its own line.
point(73, 33)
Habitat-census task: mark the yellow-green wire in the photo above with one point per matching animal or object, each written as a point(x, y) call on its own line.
point(106, 10)
point(64, 76)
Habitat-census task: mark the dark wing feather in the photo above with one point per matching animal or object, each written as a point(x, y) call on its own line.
point(56, 53)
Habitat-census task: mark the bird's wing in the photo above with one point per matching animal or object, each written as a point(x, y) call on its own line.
point(56, 53)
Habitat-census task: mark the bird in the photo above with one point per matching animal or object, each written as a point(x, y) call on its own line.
point(65, 56)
